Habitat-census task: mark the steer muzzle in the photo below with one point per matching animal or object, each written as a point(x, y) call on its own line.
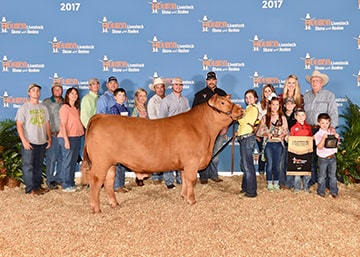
point(237, 112)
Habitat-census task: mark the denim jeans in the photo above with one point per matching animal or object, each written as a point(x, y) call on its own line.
point(169, 177)
point(297, 182)
point(247, 146)
point(32, 163)
point(327, 168)
point(283, 166)
point(158, 176)
point(119, 176)
point(69, 157)
point(53, 162)
point(273, 152)
point(261, 167)
point(211, 170)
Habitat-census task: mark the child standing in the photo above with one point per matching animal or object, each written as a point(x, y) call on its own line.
point(301, 129)
point(119, 107)
point(287, 182)
point(326, 156)
point(274, 129)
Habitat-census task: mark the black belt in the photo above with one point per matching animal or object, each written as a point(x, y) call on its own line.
point(55, 133)
point(245, 136)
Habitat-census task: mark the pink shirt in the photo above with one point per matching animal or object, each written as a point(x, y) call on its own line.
point(325, 152)
point(73, 125)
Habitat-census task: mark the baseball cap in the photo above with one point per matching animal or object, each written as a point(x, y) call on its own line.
point(33, 85)
point(112, 78)
point(211, 75)
point(289, 100)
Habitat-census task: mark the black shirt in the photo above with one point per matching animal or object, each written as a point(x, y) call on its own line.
point(205, 94)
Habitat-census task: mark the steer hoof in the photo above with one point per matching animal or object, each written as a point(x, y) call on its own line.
point(95, 211)
point(191, 202)
point(114, 205)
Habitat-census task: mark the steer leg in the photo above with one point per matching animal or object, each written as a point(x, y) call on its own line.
point(97, 177)
point(189, 181)
point(109, 187)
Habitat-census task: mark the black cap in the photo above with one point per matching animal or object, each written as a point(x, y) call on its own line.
point(211, 75)
point(112, 78)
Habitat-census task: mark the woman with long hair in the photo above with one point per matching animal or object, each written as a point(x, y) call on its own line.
point(267, 92)
point(274, 130)
point(292, 90)
point(69, 137)
point(140, 104)
point(140, 112)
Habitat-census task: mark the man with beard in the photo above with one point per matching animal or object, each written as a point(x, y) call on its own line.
point(211, 171)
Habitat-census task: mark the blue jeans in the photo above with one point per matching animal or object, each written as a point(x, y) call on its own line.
point(53, 162)
point(327, 168)
point(247, 146)
point(158, 176)
point(273, 152)
point(119, 176)
point(297, 182)
point(169, 177)
point(211, 170)
point(283, 166)
point(32, 163)
point(69, 157)
point(261, 168)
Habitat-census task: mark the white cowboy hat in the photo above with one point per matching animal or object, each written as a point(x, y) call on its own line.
point(317, 73)
point(157, 81)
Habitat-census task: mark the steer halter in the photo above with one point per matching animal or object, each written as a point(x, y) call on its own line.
point(228, 113)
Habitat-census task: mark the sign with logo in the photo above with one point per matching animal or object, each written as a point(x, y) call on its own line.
point(300, 156)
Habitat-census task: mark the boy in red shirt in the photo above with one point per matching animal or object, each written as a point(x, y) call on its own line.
point(301, 129)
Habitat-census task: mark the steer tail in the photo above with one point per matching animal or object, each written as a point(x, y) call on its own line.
point(86, 163)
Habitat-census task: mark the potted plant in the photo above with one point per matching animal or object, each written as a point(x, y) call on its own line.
point(2, 172)
point(348, 157)
point(11, 152)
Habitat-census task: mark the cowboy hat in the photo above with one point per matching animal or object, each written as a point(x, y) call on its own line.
point(157, 81)
point(317, 73)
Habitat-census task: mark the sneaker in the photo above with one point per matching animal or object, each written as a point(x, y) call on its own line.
point(53, 185)
point(69, 190)
point(296, 191)
point(276, 187)
point(270, 187)
point(170, 186)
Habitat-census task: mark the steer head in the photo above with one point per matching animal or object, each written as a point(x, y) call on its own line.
point(222, 104)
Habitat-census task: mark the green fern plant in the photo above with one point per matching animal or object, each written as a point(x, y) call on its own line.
point(348, 158)
point(11, 149)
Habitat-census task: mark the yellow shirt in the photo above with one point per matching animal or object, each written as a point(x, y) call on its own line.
point(251, 115)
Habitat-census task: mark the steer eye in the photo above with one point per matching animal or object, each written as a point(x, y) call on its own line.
point(222, 103)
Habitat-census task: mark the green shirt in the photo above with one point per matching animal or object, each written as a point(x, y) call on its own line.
point(88, 107)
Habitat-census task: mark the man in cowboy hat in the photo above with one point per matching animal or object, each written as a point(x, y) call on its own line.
point(153, 108)
point(319, 100)
point(316, 101)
